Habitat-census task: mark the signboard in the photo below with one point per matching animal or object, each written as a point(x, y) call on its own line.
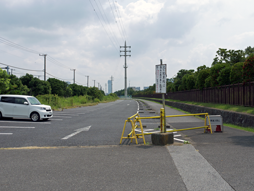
point(161, 78)
point(215, 120)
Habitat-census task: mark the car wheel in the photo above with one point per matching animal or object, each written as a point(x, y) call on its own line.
point(35, 117)
point(1, 115)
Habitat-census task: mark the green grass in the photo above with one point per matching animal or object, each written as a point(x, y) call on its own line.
point(249, 129)
point(227, 107)
point(60, 103)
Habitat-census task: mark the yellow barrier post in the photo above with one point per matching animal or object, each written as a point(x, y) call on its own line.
point(142, 131)
point(210, 126)
point(123, 131)
point(162, 120)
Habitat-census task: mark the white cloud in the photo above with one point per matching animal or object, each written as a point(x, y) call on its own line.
point(184, 33)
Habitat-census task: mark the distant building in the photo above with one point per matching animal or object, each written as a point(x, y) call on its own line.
point(109, 87)
point(135, 88)
point(146, 88)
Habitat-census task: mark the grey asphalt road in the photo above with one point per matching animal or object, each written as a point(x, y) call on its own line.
point(106, 121)
point(93, 159)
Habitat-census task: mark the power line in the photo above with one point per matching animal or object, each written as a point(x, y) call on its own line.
point(103, 25)
point(107, 22)
point(22, 68)
point(57, 77)
point(54, 61)
point(15, 45)
point(118, 14)
point(115, 19)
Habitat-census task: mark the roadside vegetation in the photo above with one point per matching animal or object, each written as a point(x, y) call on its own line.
point(228, 67)
point(227, 107)
point(249, 129)
point(56, 93)
point(60, 103)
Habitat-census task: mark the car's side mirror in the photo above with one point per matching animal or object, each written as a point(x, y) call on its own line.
point(26, 103)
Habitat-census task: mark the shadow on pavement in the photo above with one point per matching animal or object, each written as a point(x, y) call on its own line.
point(246, 141)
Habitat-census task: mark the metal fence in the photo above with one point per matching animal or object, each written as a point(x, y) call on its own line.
point(234, 94)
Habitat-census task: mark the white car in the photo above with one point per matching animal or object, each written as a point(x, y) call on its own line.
point(21, 106)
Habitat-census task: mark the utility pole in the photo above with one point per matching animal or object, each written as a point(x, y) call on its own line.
point(94, 83)
point(125, 66)
point(73, 75)
point(44, 65)
point(87, 80)
point(98, 85)
point(8, 72)
point(105, 88)
point(112, 84)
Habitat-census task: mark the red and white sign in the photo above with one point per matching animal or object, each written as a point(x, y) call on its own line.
point(161, 78)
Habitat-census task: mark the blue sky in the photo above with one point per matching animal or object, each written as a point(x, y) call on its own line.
point(86, 35)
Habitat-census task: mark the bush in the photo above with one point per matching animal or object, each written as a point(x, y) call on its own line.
point(202, 75)
point(215, 72)
point(224, 76)
point(248, 69)
point(96, 100)
point(236, 74)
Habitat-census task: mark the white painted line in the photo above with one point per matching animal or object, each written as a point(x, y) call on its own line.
point(77, 131)
point(177, 135)
point(84, 129)
point(195, 171)
point(65, 115)
point(71, 135)
point(179, 140)
point(61, 117)
point(6, 133)
point(42, 123)
point(56, 119)
point(16, 127)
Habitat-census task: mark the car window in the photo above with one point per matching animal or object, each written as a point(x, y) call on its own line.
point(7, 99)
point(33, 101)
point(20, 100)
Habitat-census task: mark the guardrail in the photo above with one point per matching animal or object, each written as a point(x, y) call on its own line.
point(136, 118)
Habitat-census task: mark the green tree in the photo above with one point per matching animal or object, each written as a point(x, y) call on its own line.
point(178, 79)
point(236, 73)
point(224, 76)
point(16, 86)
point(249, 50)
point(4, 81)
point(215, 71)
point(36, 86)
point(190, 83)
point(228, 56)
point(208, 81)
point(201, 77)
point(248, 69)
point(58, 87)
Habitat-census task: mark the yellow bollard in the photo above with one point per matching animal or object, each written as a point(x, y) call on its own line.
point(162, 117)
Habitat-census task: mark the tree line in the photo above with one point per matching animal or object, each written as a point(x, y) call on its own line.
point(228, 67)
point(30, 85)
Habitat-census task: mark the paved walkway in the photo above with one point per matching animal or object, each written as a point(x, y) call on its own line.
point(218, 161)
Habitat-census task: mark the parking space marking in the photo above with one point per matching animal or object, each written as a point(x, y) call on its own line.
point(43, 123)
point(6, 133)
point(61, 117)
point(65, 115)
point(16, 127)
point(56, 119)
